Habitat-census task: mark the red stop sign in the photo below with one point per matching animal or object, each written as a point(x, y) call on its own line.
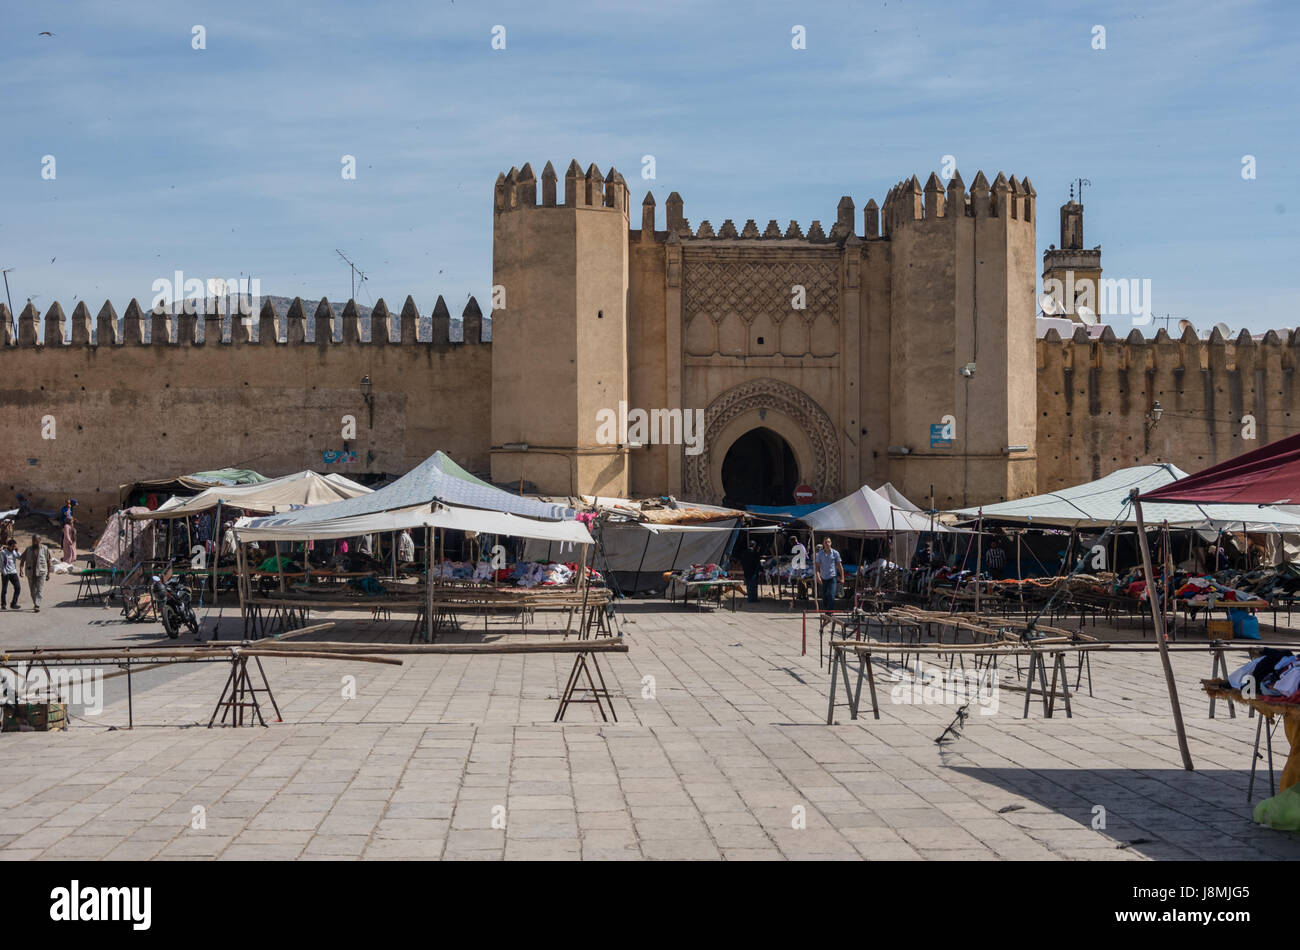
point(803, 494)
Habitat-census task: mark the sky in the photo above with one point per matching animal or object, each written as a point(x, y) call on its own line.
point(227, 160)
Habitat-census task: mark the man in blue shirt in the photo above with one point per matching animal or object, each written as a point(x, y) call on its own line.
point(830, 573)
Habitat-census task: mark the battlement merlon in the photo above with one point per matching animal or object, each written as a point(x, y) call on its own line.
point(1009, 199)
point(517, 189)
point(178, 326)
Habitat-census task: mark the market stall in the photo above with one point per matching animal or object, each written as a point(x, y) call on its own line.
point(1258, 480)
point(436, 497)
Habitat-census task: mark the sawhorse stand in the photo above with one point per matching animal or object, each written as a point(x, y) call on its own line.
point(239, 694)
point(1049, 695)
point(840, 668)
point(583, 665)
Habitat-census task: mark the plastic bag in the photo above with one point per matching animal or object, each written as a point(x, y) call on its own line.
point(1281, 812)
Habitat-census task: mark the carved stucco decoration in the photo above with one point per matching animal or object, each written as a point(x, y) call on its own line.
point(718, 288)
point(774, 396)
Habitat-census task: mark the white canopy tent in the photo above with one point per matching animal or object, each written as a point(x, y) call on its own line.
point(1105, 501)
point(879, 511)
point(871, 511)
point(437, 494)
point(433, 515)
point(438, 478)
point(301, 489)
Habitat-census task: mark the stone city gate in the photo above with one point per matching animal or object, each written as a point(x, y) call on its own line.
point(781, 408)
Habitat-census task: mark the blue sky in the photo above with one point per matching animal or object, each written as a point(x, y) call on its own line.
point(227, 160)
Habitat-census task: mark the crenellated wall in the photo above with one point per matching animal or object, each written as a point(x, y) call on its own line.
point(1095, 400)
point(121, 407)
point(853, 344)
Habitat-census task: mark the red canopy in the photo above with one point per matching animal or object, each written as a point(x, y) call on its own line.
point(1270, 475)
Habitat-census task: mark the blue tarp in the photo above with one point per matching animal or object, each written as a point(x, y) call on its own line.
point(784, 512)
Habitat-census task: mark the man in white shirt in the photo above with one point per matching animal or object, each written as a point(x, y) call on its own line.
point(405, 547)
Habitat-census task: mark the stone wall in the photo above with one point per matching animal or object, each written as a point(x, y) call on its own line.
point(1094, 398)
point(125, 411)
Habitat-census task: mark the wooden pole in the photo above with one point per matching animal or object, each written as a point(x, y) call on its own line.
point(582, 613)
point(241, 570)
point(428, 586)
point(1020, 579)
point(1158, 619)
point(216, 560)
point(812, 554)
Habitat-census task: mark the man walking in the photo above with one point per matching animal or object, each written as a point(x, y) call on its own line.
point(10, 557)
point(36, 562)
point(69, 531)
point(830, 573)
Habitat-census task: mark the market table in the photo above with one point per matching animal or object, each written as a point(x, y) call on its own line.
point(1267, 707)
point(1190, 609)
point(724, 585)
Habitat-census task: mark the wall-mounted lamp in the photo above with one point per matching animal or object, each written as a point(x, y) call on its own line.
point(1153, 417)
point(366, 387)
point(515, 446)
point(900, 450)
point(1015, 448)
point(968, 370)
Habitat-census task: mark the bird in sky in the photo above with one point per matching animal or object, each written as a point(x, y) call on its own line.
point(45, 33)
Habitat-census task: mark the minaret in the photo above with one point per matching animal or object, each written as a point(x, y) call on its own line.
point(1071, 272)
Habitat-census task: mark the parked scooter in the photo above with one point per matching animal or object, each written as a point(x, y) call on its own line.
point(172, 599)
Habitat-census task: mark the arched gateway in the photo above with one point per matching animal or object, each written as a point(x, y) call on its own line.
point(788, 416)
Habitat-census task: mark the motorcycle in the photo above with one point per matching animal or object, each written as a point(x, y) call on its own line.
point(172, 599)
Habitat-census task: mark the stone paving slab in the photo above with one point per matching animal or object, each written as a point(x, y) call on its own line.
point(720, 753)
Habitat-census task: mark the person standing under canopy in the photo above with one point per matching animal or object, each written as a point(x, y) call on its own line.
point(830, 573)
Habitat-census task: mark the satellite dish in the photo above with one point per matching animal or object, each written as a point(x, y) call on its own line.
point(1223, 330)
point(1047, 303)
point(1086, 315)
point(1185, 325)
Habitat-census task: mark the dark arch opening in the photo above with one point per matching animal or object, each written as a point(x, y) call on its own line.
point(759, 469)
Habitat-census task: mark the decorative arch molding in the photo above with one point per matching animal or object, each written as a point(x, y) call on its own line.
point(796, 416)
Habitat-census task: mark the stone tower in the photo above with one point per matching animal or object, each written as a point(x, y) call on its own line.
point(559, 329)
point(1071, 272)
point(962, 338)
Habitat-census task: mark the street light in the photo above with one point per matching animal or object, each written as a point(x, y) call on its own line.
point(366, 387)
point(1153, 417)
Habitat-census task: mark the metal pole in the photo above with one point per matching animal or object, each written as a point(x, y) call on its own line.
point(979, 555)
point(1157, 618)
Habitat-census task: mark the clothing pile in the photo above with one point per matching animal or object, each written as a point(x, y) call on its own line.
point(520, 574)
point(1275, 674)
point(1265, 583)
point(1204, 589)
point(703, 572)
point(453, 570)
point(368, 586)
point(951, 577)
point(781, 568)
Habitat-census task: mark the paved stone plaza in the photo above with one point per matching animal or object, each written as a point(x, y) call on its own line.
point(720, 750)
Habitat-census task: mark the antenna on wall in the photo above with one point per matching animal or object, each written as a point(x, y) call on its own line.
point(355, 270)
point(1079, 183)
